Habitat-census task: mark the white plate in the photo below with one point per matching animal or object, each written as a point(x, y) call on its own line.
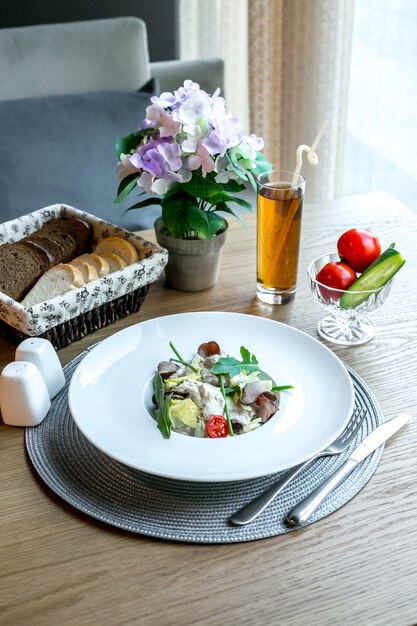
point(110, 397)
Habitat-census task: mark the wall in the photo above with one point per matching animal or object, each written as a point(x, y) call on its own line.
point(160, 16)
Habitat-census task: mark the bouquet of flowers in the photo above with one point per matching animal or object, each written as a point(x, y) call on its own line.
point(191, 157)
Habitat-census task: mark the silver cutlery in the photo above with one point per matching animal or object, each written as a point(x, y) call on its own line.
point(253, 509)
point(301, 513)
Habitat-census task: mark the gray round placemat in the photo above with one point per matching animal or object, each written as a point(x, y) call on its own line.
point(142, 503)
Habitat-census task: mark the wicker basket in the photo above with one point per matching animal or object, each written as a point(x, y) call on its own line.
point(65, 319)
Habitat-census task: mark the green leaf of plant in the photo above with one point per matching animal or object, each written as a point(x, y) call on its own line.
point(126, 144)
point(222, 206)
point(200, 187)
point(126, 185)
point(252, 181)
point(261, 164)
point(205, 223)
point(175, 212)
point(241, 202)
point(232, 185)
point(148, 202)
point(228, 197)
point(220, 197)
point(236, 168)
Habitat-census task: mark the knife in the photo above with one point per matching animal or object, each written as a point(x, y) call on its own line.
point(300, 513)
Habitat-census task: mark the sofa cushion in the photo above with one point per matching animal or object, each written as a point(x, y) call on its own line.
point(62, 149)
point(75, 57)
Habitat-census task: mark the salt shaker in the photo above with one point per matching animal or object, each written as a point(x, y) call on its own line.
point(41, 353)
point(24, 397)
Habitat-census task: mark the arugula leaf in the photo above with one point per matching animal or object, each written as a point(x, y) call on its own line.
point(162, 414)
point(232, 367)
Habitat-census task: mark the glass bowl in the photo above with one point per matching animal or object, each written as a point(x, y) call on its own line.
point(346, 325)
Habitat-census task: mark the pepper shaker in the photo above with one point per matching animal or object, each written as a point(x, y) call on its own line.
point(41, 353)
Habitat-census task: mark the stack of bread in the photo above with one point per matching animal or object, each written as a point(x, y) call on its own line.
point(58, 258)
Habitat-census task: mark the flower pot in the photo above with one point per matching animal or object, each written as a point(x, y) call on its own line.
point(193, 264)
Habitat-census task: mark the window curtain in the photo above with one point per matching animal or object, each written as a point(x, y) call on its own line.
point(219, 28)
point(286, 71)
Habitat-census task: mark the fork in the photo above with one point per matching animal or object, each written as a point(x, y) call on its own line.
point(254, 508)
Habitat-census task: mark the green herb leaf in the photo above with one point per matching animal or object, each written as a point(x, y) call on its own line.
point(180, 359)
point(282, 387)
point(162, 414)
point(226, 408)
point(232, 367)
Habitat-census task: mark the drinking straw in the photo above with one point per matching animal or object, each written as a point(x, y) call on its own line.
point(311, 154)
point(313, 160)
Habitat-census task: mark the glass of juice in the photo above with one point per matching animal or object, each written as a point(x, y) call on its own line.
point(280, 205)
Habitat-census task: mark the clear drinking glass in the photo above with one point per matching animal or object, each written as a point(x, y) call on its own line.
point(345, 324)
point(280, 205)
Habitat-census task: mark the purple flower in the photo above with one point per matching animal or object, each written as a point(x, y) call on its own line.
point(150, 159)
point(226, 133)
point(157, 157)
point(172, 155)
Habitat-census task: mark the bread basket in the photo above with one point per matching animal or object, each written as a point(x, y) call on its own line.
point(65, 319)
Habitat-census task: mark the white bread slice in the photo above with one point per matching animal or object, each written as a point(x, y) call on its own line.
point(115, 262)
point(88, 271)
point(119, 246)
point(55, 282)
point(101, 265)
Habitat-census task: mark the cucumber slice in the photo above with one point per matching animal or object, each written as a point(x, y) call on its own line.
point(375, 277)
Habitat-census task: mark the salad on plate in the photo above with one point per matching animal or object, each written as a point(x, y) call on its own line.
point(213, 395)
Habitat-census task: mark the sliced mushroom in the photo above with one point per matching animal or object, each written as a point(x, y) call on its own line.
point(208, 349)
point(167, 368)
point(210, 361)
point(267, 404)
point(180, 395)
point(211, 379)
point(251, 391)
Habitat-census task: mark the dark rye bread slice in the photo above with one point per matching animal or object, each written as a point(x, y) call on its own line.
point(79, 230)
point(52, 248)
point(65, 246)
point(20, 268)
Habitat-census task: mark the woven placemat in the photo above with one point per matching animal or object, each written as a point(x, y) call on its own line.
point(194, 512)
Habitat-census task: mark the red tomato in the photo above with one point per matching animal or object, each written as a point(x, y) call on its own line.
point(337, 275)
point(359, 248)
point(217, 426)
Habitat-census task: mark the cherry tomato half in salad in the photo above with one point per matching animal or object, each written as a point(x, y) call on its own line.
point(359, 248)
point(336, 275)
point(217, 426)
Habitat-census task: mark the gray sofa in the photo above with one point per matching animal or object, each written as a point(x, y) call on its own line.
point(66, 92)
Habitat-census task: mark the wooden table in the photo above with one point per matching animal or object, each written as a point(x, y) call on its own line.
point(358, 566)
